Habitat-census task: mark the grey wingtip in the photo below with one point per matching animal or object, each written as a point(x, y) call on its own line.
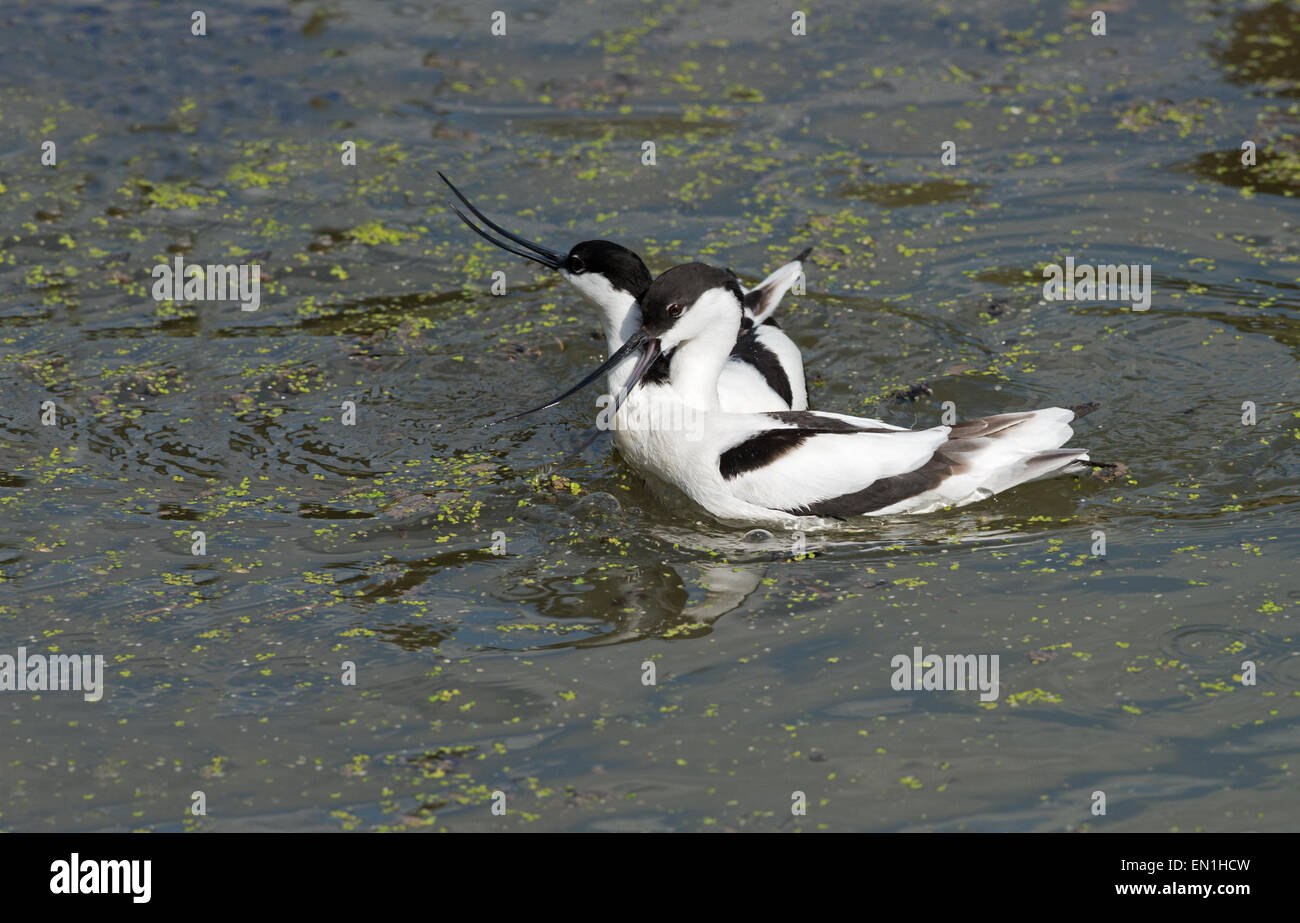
point(1082, 410)
point(804, 255)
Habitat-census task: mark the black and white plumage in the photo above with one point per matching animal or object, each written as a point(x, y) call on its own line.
point(778, 467)
point(764, 370)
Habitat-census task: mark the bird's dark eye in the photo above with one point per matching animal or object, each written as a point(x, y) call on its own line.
point(576, 265)
point(675, 310)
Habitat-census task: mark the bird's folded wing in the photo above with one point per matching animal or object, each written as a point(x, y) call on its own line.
point(788, 467)
point(828, 464)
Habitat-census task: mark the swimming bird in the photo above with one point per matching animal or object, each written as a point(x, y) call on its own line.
point(779, 467)
point(764, 369)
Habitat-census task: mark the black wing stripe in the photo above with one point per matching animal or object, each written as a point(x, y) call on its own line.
point(759, 451)
point(886, 491)
point(750, 351)
point(815, 423)
point(763, 448)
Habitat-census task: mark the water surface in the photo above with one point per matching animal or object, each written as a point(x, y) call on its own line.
point(521, 671)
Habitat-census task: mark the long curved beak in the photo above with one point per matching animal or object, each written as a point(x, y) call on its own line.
point(551, 259)
point(639, 340)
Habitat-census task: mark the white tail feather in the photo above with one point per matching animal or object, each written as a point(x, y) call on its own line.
point(763, 298)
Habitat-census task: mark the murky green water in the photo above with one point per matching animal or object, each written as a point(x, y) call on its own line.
point(522, 672)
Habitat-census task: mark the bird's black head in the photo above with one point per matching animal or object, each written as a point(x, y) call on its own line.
point(621, 267)
point(693, 301)
point(671, 299)
point(598, 268)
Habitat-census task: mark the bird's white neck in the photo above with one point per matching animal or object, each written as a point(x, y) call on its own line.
point(617, 330)
point(697, 364)
point(619, 319)
point(619, 315)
